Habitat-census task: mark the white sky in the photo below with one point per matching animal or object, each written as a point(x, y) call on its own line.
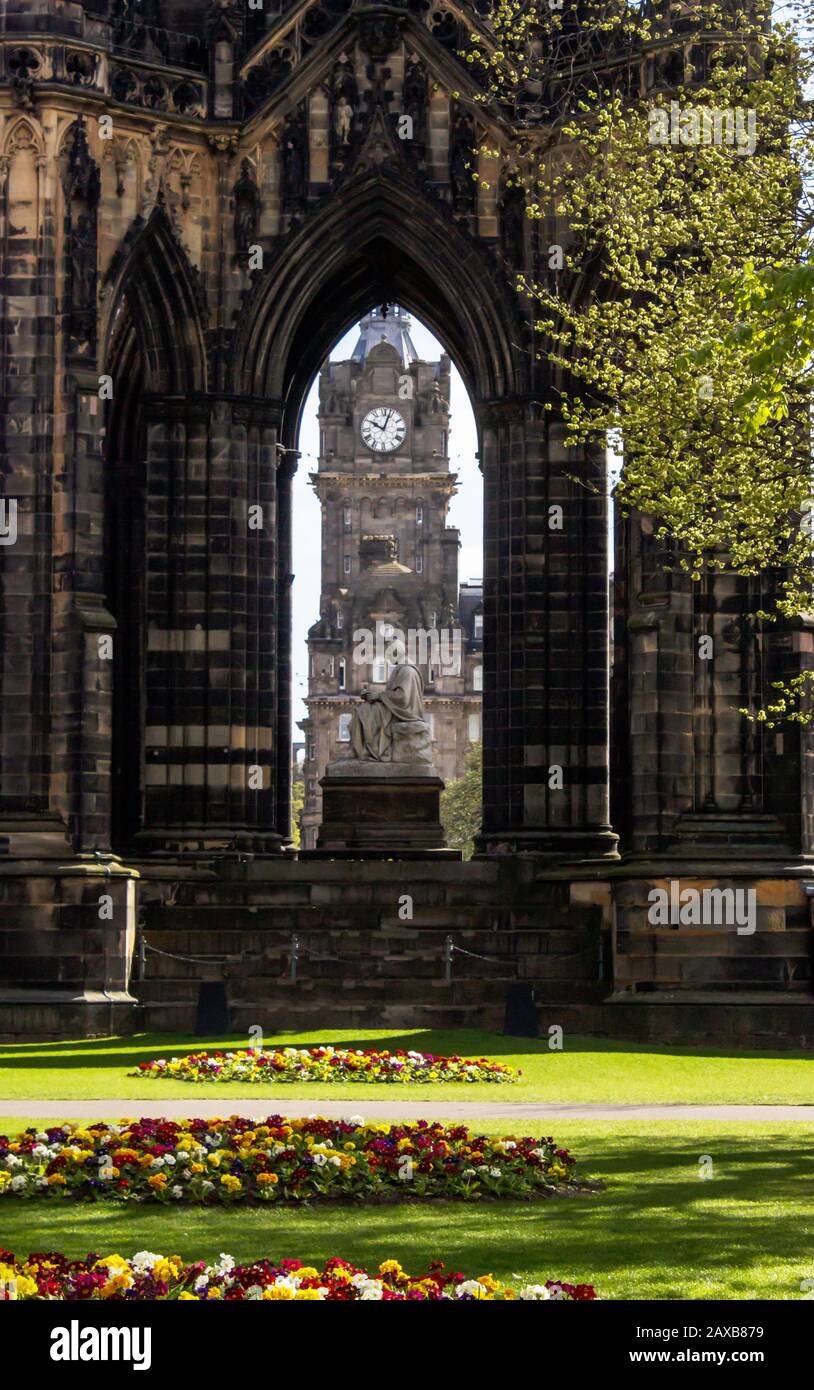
point(466, 510)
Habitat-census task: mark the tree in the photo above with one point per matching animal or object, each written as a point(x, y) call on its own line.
point(677, 322)
point(461, 804)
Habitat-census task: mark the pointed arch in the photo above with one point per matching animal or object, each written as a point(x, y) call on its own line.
point(362, 246)
point(157, 287)
point(22, 134)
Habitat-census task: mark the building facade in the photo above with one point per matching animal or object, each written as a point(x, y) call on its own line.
point(196, 200)
point(389, 559)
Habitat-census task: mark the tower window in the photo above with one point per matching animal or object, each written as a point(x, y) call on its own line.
point(419, 515)
point(341, 673)
point(419, 564)
point(344, 727)
point(477, 678)
point(346, 564)
point(340, 619)
point(347, 518)
point(312, 749)
point(477, 631)
point(474, 728)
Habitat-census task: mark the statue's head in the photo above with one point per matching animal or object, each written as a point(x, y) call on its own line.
point(396, 651)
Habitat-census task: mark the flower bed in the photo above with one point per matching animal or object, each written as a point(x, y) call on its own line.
point(166, 1278)
point(293, 1064)
point(238, 1160)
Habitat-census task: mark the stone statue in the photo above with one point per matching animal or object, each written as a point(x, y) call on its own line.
point(389, 725)
point(343, 120)
point(248, 205)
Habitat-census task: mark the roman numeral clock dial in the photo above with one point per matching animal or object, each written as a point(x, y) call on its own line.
point(383, 429)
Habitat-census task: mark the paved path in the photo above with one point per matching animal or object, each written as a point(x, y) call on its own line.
point(399, 1110)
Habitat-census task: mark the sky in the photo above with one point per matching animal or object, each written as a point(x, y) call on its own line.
point(466, 510)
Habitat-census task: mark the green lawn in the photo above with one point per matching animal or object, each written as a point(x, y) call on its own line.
point(588, 1069)
point(658, 1231)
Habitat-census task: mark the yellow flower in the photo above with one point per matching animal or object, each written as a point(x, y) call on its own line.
point(311, 1294)
point(187, 1298)
point(111, 1262)
point(214, 1292)
point(119, 1282)
point(146, 1161)
point(263, 1179)
point(214, 1160)
point(489, 1282)
point(57, 1180)
point(307, 1272)
point(231, 1183)
point(158, 1180)
point(196, 1168)
point(278, 1291)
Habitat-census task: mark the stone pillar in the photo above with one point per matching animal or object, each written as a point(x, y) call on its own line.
point(28, 822)
point(210, 681)
point(546, 640)
point(691, 774)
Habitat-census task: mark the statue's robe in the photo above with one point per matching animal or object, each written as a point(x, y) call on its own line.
point(371, 732)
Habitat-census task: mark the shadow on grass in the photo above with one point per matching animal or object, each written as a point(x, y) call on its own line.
point(129, 1051)
point(659, 1230)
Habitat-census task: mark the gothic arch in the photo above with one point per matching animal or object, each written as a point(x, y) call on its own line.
point(349, 252)
point(155, 284)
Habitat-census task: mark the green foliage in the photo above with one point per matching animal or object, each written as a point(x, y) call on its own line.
point(682, 322)
point(297, 804)
point(461, 804)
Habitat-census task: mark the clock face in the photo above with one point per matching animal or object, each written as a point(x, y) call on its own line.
point(383, 429)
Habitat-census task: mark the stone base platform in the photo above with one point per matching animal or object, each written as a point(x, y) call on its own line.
point(381, 809)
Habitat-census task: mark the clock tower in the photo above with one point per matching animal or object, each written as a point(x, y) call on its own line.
point(389, 559)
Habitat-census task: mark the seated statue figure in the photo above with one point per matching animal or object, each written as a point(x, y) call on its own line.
point(389, 725)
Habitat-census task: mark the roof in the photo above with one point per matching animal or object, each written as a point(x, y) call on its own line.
point(388, 324)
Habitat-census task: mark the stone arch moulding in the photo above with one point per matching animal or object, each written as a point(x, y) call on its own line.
point(380, 238)
point(153, 277)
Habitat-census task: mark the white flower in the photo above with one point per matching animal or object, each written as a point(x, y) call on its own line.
point(320, 1160)
point(335, 1161)
point(255, 1292)
point(370, 1291)
point(17, 1184)
point(534, 1292)
point(176, 1191)
point(356, 1120)
point(41, 1151)
point(159, 1162)
point(472, 1287)
point(12, 1161)
point(495, 1173)
point(143, 1261)
point(207, 1186)
point(469, 1173)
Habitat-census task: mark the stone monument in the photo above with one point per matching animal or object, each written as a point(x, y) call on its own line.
point(384, 797)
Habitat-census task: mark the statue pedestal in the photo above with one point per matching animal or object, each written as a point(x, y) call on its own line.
point(381, 810)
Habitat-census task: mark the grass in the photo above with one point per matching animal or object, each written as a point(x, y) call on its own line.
point(658, 1232)
point(587, 1070)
